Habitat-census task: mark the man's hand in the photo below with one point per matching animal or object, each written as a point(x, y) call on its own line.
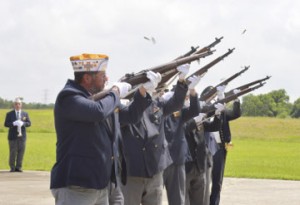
point(236, 91)
point(183, 69)
point(194, 80)
point(123, 88)
point(166, 96)
point(20, 123)
point(154, 79)
point(199, 119)
point(220, 92)
point(15, 123)
point(219, 108)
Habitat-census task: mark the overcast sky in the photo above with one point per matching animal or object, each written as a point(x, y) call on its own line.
point(38, 37)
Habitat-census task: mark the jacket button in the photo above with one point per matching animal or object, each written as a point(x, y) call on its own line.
point(112, 157)
point(155, 146)
point(144, 149)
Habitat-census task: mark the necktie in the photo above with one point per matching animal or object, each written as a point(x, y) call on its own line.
point(18, 115)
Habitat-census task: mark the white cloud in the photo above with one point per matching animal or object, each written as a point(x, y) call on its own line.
point(38, 37)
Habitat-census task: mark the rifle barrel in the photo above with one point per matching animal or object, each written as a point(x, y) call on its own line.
point(245, 86)
point(207, 48)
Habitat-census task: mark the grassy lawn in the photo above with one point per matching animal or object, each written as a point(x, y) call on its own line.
point(263, 147)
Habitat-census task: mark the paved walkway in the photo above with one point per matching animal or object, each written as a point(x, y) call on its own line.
point(32, 188)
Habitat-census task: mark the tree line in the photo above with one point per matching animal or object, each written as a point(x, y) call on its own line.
point(8, 104)
point(273, 104)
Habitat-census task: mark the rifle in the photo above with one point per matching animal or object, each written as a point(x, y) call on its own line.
point(194, 51)
point(205, 68)
point(211, 93)
point(245, 86)
point(210, 110)
point(166, 70)
point(140, 77)
point(162, 85)
point(242, 92)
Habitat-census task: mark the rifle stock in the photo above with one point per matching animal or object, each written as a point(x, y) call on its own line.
point(139, 78)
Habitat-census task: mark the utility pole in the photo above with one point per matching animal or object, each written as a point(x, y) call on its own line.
point(45, 96)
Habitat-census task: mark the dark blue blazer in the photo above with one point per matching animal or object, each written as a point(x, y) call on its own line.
point(145, 145)
point(226, 116)
point(174, 129)
point(10, 118)
point(87, 136)
point(200, 143)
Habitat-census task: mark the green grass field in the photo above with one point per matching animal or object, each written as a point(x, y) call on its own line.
point(263, 147)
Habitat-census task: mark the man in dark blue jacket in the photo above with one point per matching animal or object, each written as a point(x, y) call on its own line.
point(87, 133)
point(174, 175)
point(17, 120)
point(202, 146)
point(223, 137)
point(146, 148)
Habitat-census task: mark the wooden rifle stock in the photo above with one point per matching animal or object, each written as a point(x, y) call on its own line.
point(139, 78)
point(99, 95)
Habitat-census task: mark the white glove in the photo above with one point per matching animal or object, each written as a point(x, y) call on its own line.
point(20, 123)
point(15, 123)
point(183, 69)
point(219, 108)
point(202, 104)
point(154, 79)
point(194, 80)
point(236, 91)
point(166, 96)
point(220, 92)
point(125, 102)
point(198, 119)
point(123, 88)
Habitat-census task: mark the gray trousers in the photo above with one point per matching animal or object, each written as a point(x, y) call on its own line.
point(174, 180)
point(16, 152)
point(195, 187)
point(208, 173)
point(145, 191)
point(75, 195)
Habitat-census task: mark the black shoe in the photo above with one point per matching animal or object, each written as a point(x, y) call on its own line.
point(12, 170)
point(18, 170)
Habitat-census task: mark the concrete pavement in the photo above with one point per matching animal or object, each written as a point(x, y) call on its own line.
point(32, 188)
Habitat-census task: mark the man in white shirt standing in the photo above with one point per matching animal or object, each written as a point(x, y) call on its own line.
point(17, 120)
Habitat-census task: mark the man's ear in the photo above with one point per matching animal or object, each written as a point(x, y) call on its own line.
point(87, 78)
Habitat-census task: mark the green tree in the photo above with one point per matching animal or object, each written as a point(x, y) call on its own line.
point(280, 106)
point(273, 104)
point(295, 113)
